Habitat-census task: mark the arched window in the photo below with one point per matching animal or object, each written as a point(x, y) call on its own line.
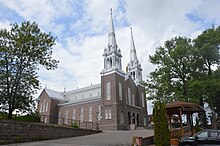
point(110, 62)
point(81, 114)
point(108, 91)
point(107, 63)
point(90, 113)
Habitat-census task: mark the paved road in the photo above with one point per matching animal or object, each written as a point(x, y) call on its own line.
point(107, 138)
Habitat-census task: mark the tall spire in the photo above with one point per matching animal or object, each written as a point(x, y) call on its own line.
point(111, 34)
point(133, 54)
point(134, 67)
point(112, 54)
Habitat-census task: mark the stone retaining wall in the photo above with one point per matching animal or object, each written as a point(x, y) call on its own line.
point(13, 131)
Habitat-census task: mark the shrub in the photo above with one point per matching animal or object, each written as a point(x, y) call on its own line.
point(161, 131)
point(34, 117)
point(3, 115)
point(74, 125)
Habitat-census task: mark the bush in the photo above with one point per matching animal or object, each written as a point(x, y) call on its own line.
point(3, 115)
point(34, 117)
point(74, 125)
point(161, 131)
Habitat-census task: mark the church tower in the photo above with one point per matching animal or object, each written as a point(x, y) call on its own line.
point(134, 67)
point(112, 54)
point(112, 83)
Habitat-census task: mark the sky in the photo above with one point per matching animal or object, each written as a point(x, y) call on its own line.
point(81, 28)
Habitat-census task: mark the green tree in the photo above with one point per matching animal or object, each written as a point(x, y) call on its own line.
point(23, 49)
point(177, 62)
point(208, 45)
point(161, 131)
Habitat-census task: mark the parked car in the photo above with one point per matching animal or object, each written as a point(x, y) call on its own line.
point(207, 137)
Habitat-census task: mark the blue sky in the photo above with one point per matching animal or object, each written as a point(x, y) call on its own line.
point(81, 28)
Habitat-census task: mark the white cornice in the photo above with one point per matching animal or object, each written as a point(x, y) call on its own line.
point(108, 72)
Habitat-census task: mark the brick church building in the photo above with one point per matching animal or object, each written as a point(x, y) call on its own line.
point(118, 103)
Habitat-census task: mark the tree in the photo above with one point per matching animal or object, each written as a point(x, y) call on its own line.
point(161, 131)
point(23, 49)
point(177, 63)
point(185, 70)
point(208, 45)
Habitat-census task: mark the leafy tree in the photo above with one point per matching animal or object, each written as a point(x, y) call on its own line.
point(185, 70)
point(177, 64)
point(23, 49)
point(161, 131)
point(208, 45)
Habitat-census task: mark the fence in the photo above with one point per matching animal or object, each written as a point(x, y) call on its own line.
point(69, 122)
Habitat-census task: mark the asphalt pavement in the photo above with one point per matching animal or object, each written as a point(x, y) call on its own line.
point(106, 138)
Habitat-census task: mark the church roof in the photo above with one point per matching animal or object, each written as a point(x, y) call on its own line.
point(80, 101)
point(83, 89)
point(54, 94)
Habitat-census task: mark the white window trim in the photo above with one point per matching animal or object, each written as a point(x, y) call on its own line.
point(90, 113)
point(120, 90)
point(108, 113)
point(41, 107)
point(66, 117)
point(81, 114)
point(59, 118)
point(99, 112)
point(108, 90)
point(129, 96)
point(46, 106)
point(74, 114)
point(143, 101)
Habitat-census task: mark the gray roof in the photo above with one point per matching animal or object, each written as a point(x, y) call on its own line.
point(79, 101)
point(54, 94)
point(83, 89)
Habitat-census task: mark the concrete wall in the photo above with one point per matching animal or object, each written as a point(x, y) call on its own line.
point(12, 131)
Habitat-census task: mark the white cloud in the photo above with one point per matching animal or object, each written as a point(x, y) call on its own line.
point(44, 12)
point(209, 10)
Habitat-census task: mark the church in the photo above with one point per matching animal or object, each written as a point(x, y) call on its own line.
point(117, 103)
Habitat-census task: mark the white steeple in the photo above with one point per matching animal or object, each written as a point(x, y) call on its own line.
point(111, 34)
point(134, 67)
point(112, 54)
point(133, 54)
